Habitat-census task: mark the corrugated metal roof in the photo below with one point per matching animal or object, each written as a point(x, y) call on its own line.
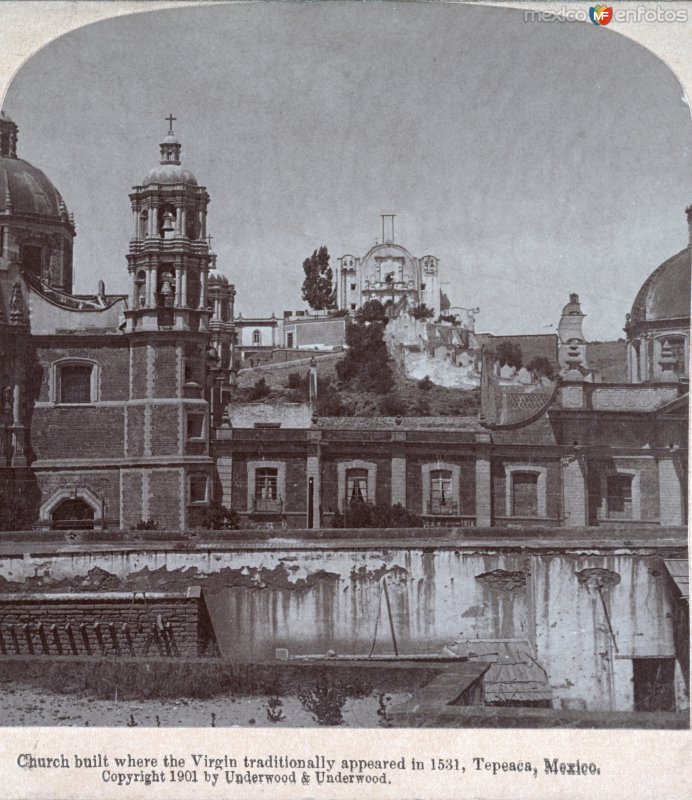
point(514, 674)
point(679, 571)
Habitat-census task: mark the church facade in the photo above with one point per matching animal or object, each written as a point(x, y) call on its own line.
point(108, 400)
point(388, 272)
point(115, 408)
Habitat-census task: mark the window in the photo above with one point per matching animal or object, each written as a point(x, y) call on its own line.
point(677, 347)
point(525, 494)
point(289, 340)
point(356, 486)
point(442, 499)
point(143, 224)
point(654, 688)
point(353, 287)
point(356, 482)
point(267, 490)
point(619, 496)
point(32, 259)
point(198, 488)
point(73, 513)
point(353, 306)
point(256, 338)
point(195, 426)
point(74, 383)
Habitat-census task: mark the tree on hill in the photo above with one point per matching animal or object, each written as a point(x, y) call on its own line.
point(318, 286)
point(422, 312)
point(509, 353)
point(367, 361)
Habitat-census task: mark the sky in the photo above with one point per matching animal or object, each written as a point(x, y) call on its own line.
point(533, 159)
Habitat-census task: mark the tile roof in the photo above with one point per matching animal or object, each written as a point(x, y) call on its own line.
point(403, 424)
point(514, 675)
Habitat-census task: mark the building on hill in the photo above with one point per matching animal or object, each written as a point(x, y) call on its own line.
point(388, 272)
point(114, 407)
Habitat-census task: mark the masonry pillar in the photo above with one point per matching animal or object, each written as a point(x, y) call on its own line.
point(670, 492)
point(224, 468)
point(399, 468)
point(574, 492)
point(313, 470)
point(484, 494)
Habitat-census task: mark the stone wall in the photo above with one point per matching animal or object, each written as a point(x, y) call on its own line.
point(585, 613)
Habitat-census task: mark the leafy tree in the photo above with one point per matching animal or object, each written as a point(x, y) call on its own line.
point(422, 312)
point(318, 286)
point(541, 366)
point(509, 353)
point(367, 361)
point(259, 390)
point(451, 318)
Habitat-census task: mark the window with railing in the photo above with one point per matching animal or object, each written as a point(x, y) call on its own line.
point(442, 497)
point(356, 486)
point(266, 490)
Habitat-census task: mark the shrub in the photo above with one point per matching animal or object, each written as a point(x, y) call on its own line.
point(509, 353)
point(425, 384)
point(220, 518)
point(294, 381)
point(147, 525)
point(392, 405)
point(259, 390)
point(422, 312)
point(325, 701)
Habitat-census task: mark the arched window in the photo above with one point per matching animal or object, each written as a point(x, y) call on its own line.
point(73, 514)
point(141, 289)
point(256, 337)
point(143, 224)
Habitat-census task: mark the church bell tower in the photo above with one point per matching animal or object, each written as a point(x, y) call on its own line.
point(170, 255)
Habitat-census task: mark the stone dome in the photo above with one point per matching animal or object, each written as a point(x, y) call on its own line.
point(28, 190)
point(23, 187)
point(665, 294)
point(169, 174)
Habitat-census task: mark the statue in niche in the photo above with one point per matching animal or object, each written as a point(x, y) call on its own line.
point(16, 304)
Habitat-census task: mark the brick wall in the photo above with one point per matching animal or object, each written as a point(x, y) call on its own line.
point(165, 497)
point(139, 371)
point(135, 431)
point(112, 359)
point(78, 432)
point(103, 483)
point(165, 430)
point(132, 512)
point(167, 624)
point(166, 371)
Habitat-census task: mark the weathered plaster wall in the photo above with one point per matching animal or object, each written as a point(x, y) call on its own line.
point(311, 600)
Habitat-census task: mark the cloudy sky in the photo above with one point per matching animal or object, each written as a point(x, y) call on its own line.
point(533, 159)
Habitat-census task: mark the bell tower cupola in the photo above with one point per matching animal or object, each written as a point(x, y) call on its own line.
point(170, 257)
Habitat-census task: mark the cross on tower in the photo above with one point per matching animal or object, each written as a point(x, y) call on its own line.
point(170, 119)
point(209, 238)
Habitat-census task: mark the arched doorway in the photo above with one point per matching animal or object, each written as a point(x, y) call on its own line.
point(72, 514)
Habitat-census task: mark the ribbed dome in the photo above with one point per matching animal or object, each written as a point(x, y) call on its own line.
point(168, 174)
point(665, 294)
point(30, 191)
